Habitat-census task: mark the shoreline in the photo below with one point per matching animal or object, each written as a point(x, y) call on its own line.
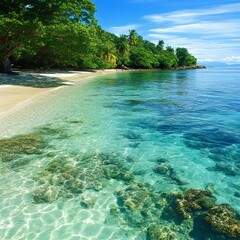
point(13, 97)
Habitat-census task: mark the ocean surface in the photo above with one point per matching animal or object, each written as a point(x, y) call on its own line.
point(107, 156)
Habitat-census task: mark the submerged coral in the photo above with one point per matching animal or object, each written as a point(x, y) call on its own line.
point(46, 194)
point(156, 232)
point(140, 204)
point(227, 169)
point(165, 169)
point(73, 176)
point(185, 205)
point(16, 150)
point(59, 176)
point(223, 220)
point(52, 131)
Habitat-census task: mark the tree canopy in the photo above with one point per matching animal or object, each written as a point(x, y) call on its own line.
point(53, 33)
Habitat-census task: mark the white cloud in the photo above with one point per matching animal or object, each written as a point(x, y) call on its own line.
point(204, 48)
point(207, 33)
point(232, 59)
point(204, 28)
point(187, 16)
point(123, 29)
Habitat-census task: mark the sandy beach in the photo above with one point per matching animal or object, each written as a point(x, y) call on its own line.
point(12, 96)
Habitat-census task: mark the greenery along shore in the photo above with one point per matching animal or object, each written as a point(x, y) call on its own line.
point(51, 33)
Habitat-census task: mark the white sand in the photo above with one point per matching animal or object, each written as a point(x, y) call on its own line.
point(15, 96)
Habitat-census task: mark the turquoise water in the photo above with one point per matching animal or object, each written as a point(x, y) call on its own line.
point(132, 138)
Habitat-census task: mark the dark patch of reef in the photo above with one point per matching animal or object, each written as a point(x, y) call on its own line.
point(16, 151)
point(216, 221)
point(164, 169)
point(224, 220)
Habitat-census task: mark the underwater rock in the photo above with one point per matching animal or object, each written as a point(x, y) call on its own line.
point(163, 169)
point(49, 130)
point(16, 151)
point(166, 169)
point(210, 138)
point(22, 144)
point(155, 232)
point(19, 162)
point(87, 202)
point(227, 169)
point(236, 194)
point(139, 204)
point(59, 174)
point(161, 160)
point(193, 200)
point(46, 194)
point(133, 136)
point(222, 219)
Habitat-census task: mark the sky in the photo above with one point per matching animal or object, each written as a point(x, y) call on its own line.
point(209, 29)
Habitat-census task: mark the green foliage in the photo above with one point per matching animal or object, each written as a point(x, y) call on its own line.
point(167, 59)
point(170, 49)
point(185, 59)
point(160, 45)
point(52, 33)
point(142, 58)
point(22, 24)
point(133, 37)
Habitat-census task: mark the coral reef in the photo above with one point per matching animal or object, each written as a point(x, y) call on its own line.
point(59, 178)
point(74, 176)
point(140, 204)
point(155, 232)
point(16, 150)
point(223, 220)
point(46, 194)
point(185, 205)
point(165, 169)
point(227, 169)
point(53, 132)
point(193, 200)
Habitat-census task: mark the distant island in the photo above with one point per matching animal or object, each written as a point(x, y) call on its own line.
point(218, 64)
point(66, 35)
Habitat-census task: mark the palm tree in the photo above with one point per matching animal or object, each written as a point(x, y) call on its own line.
point(160, 45)
point(170, 49)
point(123, 45)
point(109, 53)
point(133, 37)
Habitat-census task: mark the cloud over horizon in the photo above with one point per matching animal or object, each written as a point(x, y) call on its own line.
point(210, 33)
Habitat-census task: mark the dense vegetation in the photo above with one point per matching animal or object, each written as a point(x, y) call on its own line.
point(52, 33)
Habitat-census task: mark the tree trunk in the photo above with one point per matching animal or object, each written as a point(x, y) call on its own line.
point(5, 63)
point(6, 66)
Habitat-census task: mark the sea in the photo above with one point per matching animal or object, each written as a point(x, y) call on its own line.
point(111, 157)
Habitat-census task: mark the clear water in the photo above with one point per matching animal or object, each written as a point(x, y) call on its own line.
point(191, 119)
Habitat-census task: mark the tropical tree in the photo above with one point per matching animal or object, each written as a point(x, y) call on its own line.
point(170, 49)
point(167, 59)
point(141, 57)
point(24, 22)
point(123, 48)
point(133, 37)
point(185, 59)
point(160, 45)
point(109, 53)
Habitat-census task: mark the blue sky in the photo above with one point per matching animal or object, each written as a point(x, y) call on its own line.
point(210, 29)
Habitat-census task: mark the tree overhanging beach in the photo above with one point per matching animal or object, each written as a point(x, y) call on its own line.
point(53, 34)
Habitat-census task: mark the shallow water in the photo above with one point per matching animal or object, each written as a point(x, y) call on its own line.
point(186, 122)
